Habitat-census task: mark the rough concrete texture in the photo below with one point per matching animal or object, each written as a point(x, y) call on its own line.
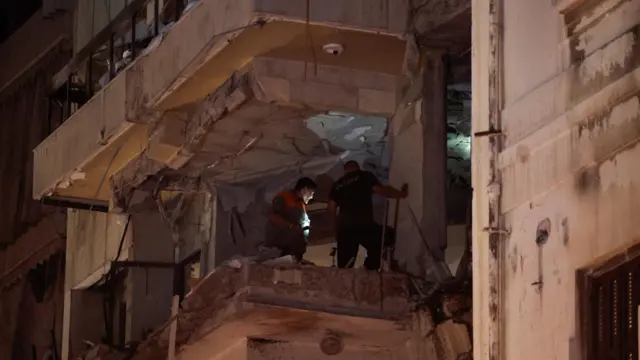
point(380, 15)
point(264, 105)
point(570, 116)
point(274, 350)
point(287, 304)
point(93, 240)
point(175, 73)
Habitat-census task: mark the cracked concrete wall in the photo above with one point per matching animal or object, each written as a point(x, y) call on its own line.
point(571, 115)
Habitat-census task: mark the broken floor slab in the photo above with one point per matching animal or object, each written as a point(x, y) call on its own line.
point(297, 305)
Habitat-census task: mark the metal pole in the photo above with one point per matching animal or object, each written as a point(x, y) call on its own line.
point(133, 35)
point(178, 9)
point(112, 65)
point(156, 17)
point(89, 76)
point(175, 303)
point(385, 221)
point(49, 116)
point(67, 103)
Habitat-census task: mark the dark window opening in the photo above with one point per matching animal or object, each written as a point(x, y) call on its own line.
point(13, 14)
point(44, 276)
point(612, 312)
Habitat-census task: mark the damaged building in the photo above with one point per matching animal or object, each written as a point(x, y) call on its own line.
point(183, 119)
point(34, 45)
point(162, 129)
point(143, 141)
point(555, 122)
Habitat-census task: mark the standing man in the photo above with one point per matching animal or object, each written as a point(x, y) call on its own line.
point(288, 224)
point(350, 198)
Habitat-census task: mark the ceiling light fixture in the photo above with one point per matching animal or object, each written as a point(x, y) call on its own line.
point(333, 49)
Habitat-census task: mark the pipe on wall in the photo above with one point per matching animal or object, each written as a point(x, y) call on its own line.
point(489, 226)
point(496, 220)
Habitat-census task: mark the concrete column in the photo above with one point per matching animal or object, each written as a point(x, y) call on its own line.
point(66, 325)
point(434, 169)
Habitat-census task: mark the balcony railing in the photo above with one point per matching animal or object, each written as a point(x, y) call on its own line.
point(109, 35)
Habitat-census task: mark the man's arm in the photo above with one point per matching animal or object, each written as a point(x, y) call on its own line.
point(385, 190)
point(278, 205)
point(390, 192)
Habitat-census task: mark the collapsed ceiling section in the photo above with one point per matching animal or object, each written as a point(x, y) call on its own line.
point(266, 147)
point(262, 140)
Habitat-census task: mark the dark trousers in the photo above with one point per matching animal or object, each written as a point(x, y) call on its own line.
point(350, 238)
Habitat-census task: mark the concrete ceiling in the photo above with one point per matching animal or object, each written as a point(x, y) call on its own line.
point(261, 139)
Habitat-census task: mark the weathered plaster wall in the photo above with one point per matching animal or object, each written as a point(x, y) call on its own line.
point(32, 54)
point(150, 289)
point(571, 120)
point(87, 320)
point(26, 47)
point(93, 239)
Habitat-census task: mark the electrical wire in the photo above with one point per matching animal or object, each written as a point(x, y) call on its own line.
point(310, 43)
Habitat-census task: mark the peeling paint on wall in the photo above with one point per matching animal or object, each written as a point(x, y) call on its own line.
point(605, 60)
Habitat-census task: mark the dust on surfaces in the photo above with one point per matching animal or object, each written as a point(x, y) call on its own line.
point(594, 71)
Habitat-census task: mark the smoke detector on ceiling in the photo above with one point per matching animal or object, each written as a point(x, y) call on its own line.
point(333, 49)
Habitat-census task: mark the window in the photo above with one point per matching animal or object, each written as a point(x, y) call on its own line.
point(611, 314)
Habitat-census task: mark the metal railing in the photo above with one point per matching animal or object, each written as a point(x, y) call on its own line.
point(110, 49)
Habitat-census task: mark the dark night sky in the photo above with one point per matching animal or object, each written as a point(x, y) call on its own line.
point(13, 13)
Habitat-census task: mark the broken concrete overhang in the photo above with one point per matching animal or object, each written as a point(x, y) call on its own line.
point(200, 53)
point(295, 306)
point(265, 120)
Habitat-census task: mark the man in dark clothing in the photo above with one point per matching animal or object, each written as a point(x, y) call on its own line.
point(351, 198)
point(288, 226)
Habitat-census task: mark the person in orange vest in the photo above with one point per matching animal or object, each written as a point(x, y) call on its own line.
point(288, 226)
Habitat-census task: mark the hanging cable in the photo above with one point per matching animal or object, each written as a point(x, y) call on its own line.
point(310, 43)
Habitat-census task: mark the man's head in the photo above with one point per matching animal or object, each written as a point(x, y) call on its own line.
point(305, 187)
point(351, 166)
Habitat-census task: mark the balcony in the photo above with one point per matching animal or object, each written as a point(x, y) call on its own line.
point(234, 313)
point(251, 57)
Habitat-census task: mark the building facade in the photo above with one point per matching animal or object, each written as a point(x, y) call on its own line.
point(556, 122)
point(36, 43)
point(182, 120)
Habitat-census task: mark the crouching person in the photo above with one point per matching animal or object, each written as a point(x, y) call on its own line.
point(288, 224)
